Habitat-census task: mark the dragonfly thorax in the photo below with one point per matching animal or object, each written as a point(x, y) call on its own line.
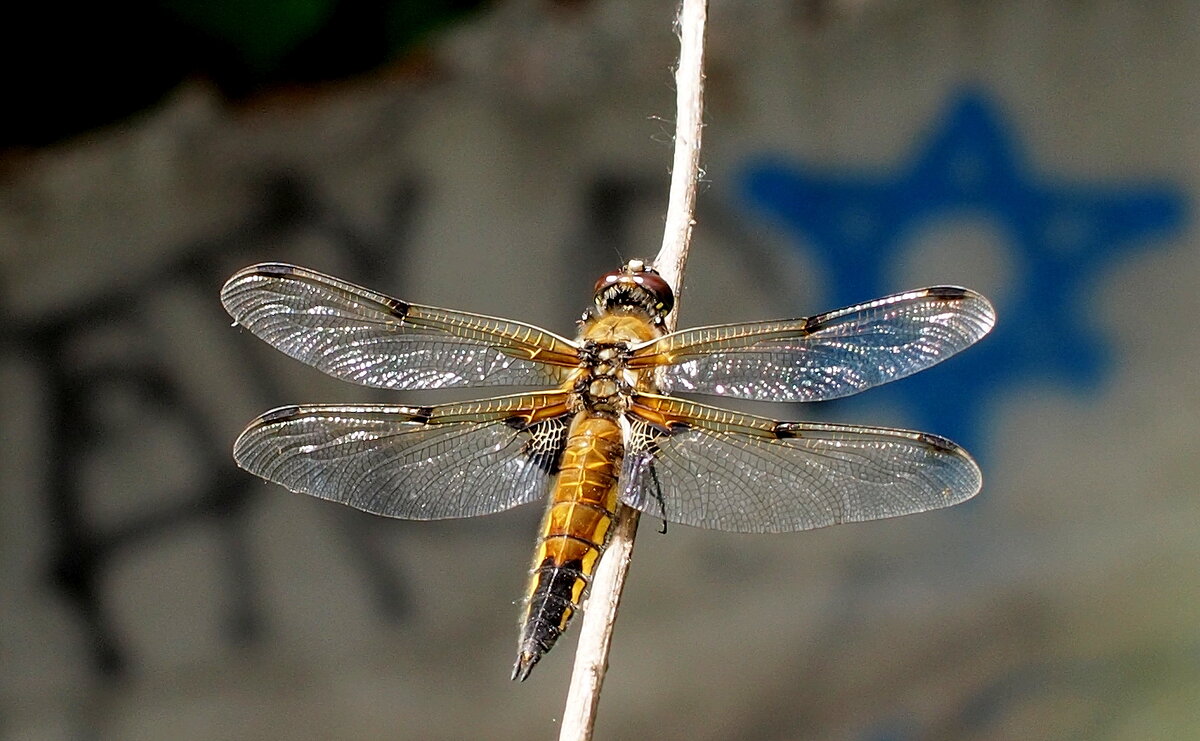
point(603, 382)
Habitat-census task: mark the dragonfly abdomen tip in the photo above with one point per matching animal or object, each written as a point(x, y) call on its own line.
point(524, 665)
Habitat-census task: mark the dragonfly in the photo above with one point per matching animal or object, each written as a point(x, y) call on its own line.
point(591, 424)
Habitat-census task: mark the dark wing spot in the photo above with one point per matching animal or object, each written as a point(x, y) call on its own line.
point(939, 443)
point(278, 415)
point(677, 425)
point(812, 324)
point(274, 269)
point(949, 293)
point(398, 308)
point(422, 414)
point(786, 431)
point(519, 422)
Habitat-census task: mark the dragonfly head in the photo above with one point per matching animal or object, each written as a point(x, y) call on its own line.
point(635, 286)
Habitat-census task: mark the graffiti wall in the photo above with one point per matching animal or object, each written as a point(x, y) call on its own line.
point(1044, 155)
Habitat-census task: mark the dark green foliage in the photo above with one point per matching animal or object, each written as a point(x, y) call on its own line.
point(71, 67)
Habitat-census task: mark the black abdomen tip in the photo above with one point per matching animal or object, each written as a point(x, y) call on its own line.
point(524, 665)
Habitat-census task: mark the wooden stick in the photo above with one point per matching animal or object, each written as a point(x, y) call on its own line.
point(595, 635)
point(685, 171)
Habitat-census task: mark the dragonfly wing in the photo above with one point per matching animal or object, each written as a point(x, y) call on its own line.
point(712, 468)
point(821, 357)
point(418, 463)
point(365, 337)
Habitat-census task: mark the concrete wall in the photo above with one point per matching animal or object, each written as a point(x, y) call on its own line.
point(1043, 153)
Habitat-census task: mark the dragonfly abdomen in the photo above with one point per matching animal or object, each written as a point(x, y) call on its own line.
point(574, 533)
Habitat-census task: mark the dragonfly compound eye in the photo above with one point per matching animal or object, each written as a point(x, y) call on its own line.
point(635, 285)
point(657, 287)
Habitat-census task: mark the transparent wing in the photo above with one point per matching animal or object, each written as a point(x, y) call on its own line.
point(821, 357)
point(358, 335)
point(418, 463)
point(708, 467)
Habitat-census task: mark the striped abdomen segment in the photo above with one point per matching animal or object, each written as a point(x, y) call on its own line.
point(574, 533)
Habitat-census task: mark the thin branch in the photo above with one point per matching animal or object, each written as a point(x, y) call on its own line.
point(595, 636)
point(685, 171)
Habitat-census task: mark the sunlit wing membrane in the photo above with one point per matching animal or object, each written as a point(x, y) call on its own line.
point(358, 335)
point(821, 357)
point(712, 468)
point(419, 463)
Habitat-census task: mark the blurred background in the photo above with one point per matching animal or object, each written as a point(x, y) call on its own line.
point(498, 157)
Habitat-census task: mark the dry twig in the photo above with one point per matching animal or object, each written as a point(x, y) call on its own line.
point(595, 637)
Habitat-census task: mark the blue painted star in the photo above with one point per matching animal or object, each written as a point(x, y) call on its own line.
point(1060, 235)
